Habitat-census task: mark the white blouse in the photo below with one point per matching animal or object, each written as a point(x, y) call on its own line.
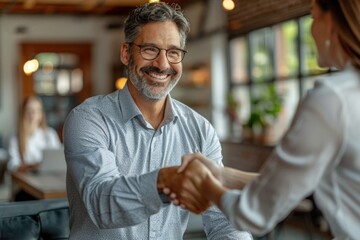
point(319, 154)
point(37, 142)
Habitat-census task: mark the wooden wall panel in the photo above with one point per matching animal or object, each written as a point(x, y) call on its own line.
point(249, 15)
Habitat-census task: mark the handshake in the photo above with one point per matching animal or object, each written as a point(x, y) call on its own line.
point(199, 182)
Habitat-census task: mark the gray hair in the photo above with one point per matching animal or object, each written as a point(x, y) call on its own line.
point(156, 12)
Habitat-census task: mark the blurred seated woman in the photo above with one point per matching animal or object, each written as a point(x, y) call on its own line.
point(33, 136)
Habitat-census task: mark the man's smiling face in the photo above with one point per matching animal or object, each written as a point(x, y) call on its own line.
point(154, 79)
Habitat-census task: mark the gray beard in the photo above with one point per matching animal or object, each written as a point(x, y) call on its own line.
point(143, 86)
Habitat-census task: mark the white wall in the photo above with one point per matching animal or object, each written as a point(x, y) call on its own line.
point(104, 53)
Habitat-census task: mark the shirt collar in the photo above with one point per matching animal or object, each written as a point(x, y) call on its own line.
point(171, 115)
point(130, 110)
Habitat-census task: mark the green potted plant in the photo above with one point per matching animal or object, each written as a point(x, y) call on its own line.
point(266, 105)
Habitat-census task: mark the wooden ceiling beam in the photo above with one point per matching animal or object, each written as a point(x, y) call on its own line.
point(76, 7)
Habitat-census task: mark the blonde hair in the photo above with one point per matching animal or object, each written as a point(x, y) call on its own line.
point(347, 17)
point(23, 127)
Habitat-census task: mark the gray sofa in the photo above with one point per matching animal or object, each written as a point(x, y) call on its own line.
point(41, 219)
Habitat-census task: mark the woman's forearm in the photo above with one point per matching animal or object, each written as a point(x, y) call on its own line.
point(230, 179)
point(213, 190)
point(28, 167)
point(236, 179)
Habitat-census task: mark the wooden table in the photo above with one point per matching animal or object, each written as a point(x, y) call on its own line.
point(43, 185)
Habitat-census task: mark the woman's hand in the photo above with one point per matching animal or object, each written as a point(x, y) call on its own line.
point(197, 180)
point(214, 168)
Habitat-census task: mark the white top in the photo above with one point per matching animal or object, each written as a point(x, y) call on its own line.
point(38, 141)
point(319, 154)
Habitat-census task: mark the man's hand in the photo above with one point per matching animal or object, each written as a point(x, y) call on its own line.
point(186, 187)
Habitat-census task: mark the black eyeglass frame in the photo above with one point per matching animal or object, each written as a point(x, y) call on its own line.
point(159, 50)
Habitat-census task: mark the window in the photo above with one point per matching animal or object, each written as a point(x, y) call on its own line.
point(58, 73)
point(286, 57)
point(261, 60)
point(239, 55)
point(272, 65)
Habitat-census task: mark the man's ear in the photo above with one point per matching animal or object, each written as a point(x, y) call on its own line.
point(125, 54)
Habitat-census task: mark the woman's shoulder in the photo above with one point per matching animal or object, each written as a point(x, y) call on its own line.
point(47, 130)
point(340, 81)
point(52, 136)
point(48, 133)
point(328, 98)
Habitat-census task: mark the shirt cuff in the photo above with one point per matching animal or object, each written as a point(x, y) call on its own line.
point(229, 201)
point(149, 193)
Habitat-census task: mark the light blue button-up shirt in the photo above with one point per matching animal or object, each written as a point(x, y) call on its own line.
point(113, 157)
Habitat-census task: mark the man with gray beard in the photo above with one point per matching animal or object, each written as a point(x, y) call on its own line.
point(123, 148)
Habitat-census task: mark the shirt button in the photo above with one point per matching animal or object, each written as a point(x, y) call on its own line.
point(154, 147)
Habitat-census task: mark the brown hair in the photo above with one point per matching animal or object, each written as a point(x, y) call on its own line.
point(23, 134)
point(155, 12)
point(346, 14)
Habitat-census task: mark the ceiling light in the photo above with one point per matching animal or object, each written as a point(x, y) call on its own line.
point(228, 4)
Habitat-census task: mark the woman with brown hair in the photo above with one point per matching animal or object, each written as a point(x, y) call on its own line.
point(319, 154)
point(33, 136)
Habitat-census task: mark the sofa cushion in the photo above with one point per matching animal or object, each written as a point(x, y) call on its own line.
point(55, 223)
point(10, 209)
point(20, 228)
point(40, 219)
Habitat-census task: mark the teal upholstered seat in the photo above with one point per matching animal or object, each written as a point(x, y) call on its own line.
point(42, 219)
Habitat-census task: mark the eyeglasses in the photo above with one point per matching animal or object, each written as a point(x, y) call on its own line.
point(150, 52)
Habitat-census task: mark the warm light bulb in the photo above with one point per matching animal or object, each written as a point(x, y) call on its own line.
point(228, 4)
point(31, 66)
point(152, 1)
